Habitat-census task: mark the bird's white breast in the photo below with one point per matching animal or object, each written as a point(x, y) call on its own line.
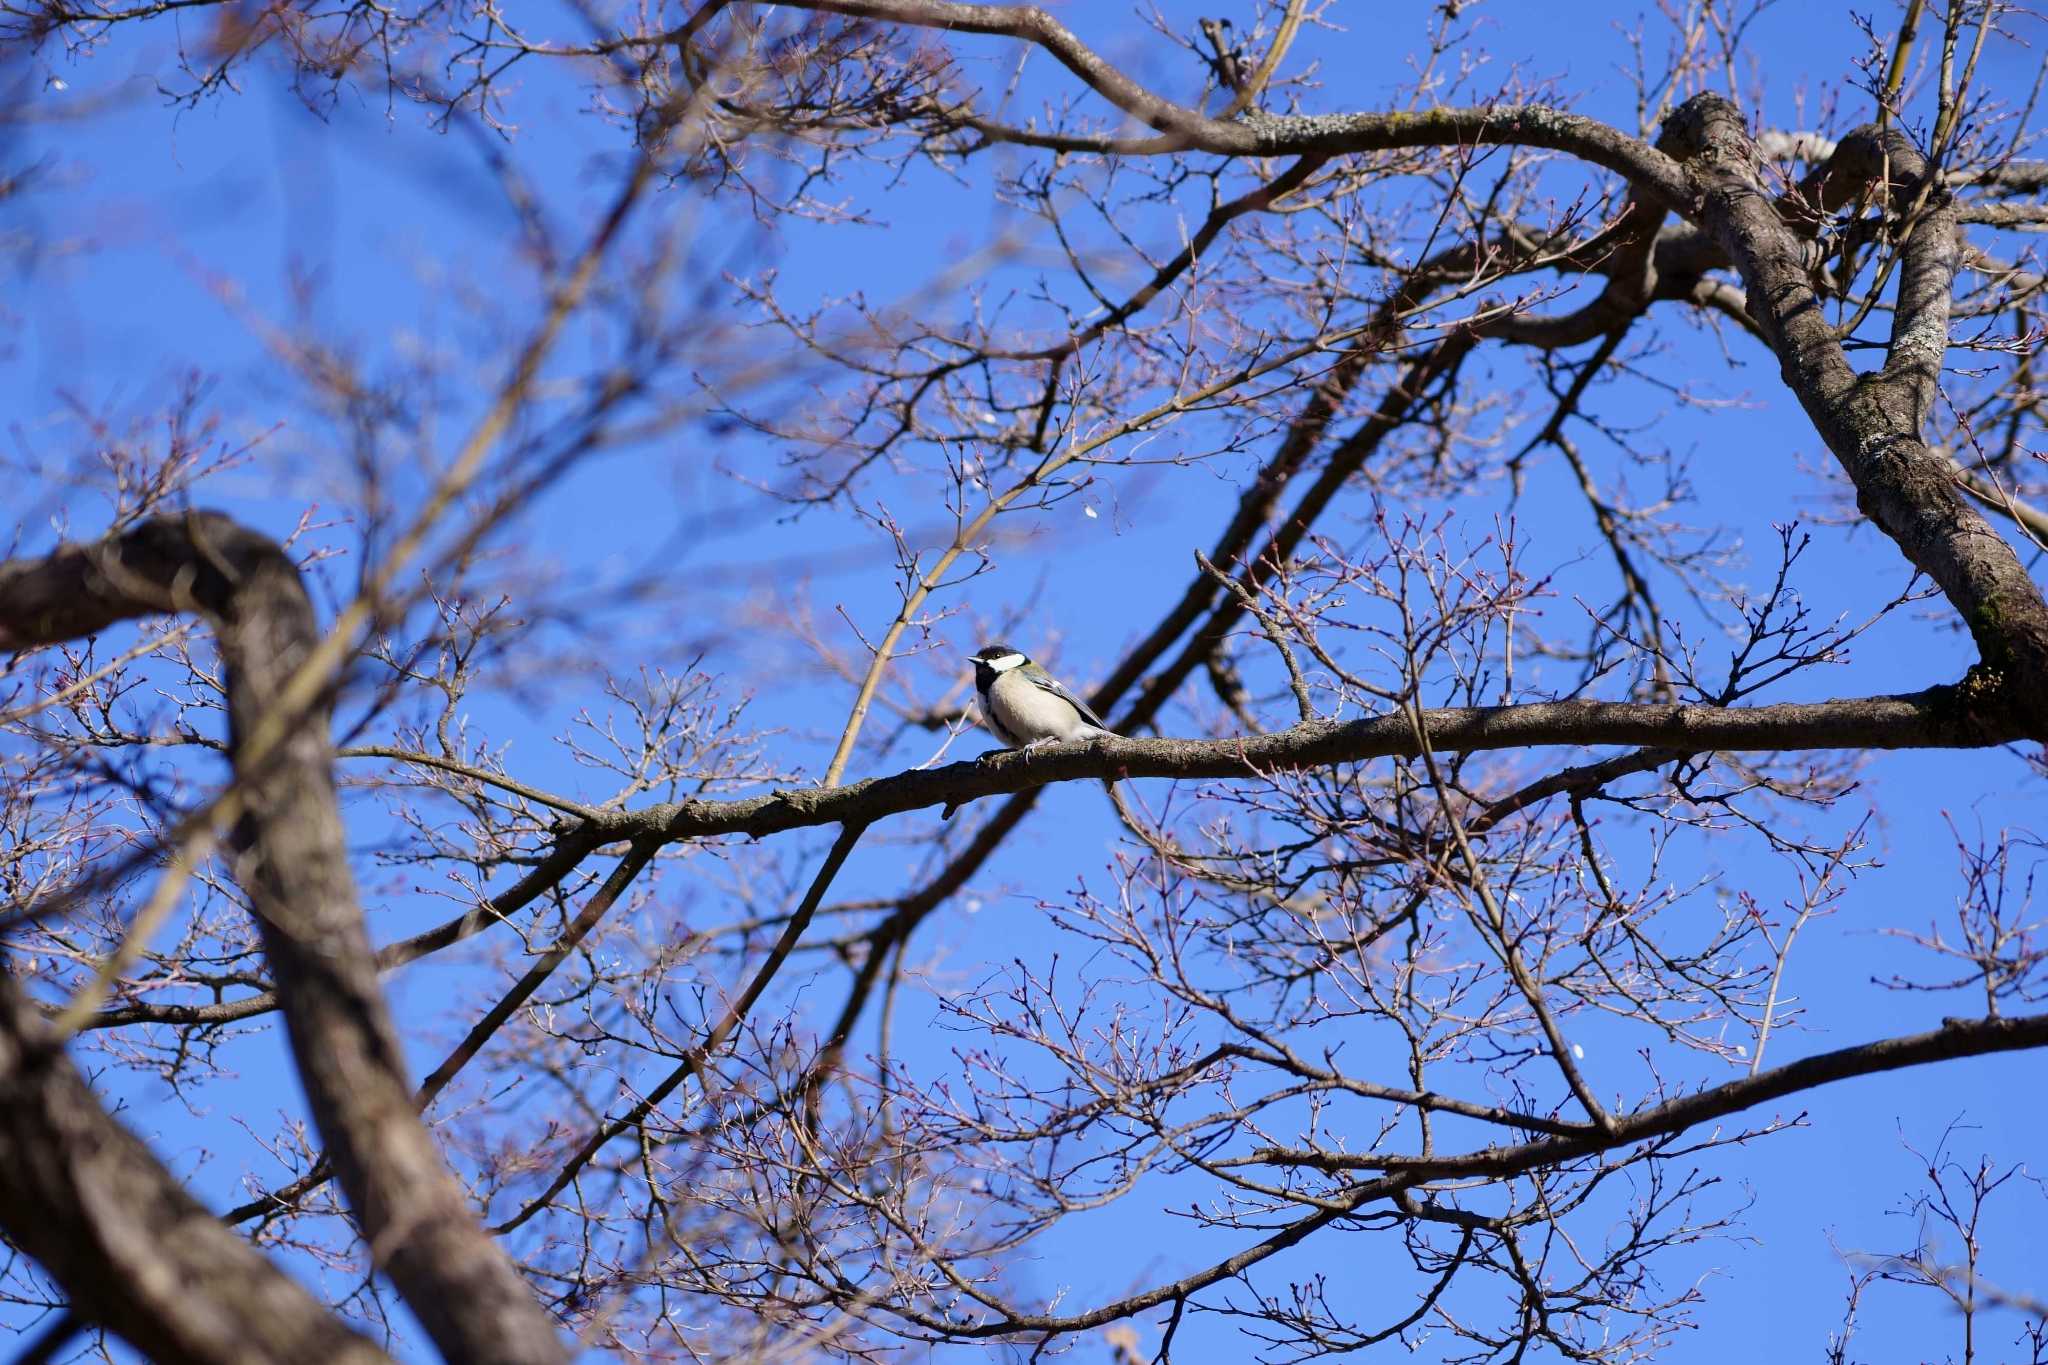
point(1027, 711)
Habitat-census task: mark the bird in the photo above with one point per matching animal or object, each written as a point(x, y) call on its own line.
point(1025, 706)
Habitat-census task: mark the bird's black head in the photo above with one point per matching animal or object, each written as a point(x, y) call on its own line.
point(990, 660)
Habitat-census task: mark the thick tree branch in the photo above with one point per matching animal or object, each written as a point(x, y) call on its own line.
point(1185, 129)
point(1872, 423)
point(135, 1252)
point(1940, 717)
point(291, 860)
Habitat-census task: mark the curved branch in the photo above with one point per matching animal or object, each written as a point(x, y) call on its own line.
point(291, 859)
point(1186, 129)
point(1956, 1038)
point(475, 774)
point(117, 1230)
point(1872, 423)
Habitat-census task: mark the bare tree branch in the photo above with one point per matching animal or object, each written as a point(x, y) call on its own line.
point(291, 858)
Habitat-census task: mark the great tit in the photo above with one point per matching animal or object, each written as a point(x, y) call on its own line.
point(1025, 705)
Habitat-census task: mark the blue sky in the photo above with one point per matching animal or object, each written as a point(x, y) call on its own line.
point(170, 239)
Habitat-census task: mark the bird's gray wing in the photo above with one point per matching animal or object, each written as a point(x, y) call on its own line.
point(1051, 684)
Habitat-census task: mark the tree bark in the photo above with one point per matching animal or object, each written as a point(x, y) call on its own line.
point(136, 1253)
point(1872, 422)
point(289, 856)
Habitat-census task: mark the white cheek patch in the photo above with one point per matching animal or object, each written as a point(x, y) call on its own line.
point(1003, 663)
